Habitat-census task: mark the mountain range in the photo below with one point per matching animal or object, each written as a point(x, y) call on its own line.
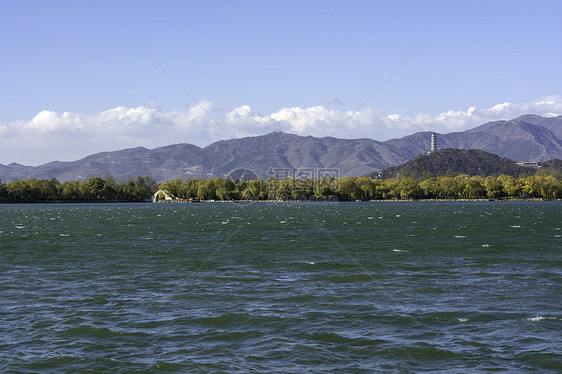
point(526, 138)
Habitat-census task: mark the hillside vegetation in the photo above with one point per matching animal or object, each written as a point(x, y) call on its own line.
point(460, 161)
point(553, 167)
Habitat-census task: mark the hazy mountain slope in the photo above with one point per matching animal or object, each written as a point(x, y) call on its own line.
point(183, 160)
point(515, 139)
point(553, 124)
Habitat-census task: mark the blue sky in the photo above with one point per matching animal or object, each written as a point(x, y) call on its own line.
point(78, 75)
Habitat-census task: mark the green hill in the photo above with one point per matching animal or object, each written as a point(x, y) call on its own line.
point(455, 161)
point(554, 167)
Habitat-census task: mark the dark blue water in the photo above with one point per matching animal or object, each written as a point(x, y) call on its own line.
point(279, 288)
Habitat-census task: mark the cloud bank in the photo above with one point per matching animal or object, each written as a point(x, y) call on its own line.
point(68, 136)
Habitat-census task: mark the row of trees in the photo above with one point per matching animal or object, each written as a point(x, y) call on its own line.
point(363, 188)
point(343, 189)
point(94, 189)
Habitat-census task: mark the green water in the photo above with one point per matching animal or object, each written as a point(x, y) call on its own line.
point(279, 288)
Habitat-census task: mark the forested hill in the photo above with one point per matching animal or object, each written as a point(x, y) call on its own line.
point(554, 167)
point(455, 161)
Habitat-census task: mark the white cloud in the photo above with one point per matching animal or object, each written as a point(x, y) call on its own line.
point(68, 136)
point(500, 107)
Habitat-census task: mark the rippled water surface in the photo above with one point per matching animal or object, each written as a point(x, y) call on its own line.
point(342, 288)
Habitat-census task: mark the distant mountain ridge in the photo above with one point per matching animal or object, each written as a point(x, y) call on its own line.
point(527, 138)
point(553, 124)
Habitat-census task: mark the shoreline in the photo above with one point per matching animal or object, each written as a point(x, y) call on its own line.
point(352, 201)
point(290, 201)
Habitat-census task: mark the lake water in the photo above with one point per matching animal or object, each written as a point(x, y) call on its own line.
point(277, 288)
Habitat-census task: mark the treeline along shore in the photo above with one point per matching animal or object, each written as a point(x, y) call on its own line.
point(94, 189)
point(461, 186)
